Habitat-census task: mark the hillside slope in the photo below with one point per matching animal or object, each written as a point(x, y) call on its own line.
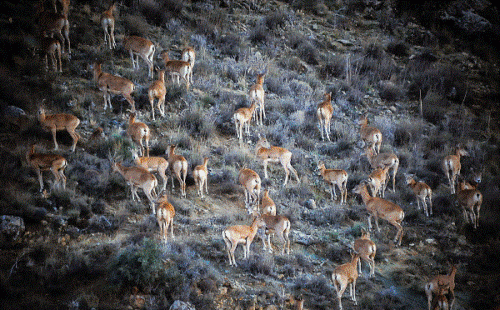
point(91, 246)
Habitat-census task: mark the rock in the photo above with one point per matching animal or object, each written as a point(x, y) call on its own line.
point(11, 226)
point(181, 305)
point(311, 204)
point(301, 238)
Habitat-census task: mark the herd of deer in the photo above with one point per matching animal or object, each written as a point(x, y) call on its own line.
point(262, 209)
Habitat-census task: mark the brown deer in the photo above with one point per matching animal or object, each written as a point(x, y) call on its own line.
point(379, 207)
point(58, 122)
point(43, 162)
point(324, 113)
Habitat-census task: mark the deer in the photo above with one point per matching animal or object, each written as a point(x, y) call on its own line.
point(51, 47)
point(256, 94)
point(165, 213)
point(113, 84)
point(279, 225)
point(153, 164)
point(237, 234)
point(274, 154)
point(178, 167)
point(452, 166)
point(382, 160)
point(324, 113)
point(380, 208)
point(440, 281)
point(377, 181)
point(138, 131)
point(200, 174)
point(370, 135)
point(251, 183)
point(470, 200)
point(177, 69)
point(334, 177)
point(423, 192)
point(138, 177)
point(242, 118)
point(138, 46)
point(108, 25)
point(346, 274)
point(157, 90)
point(64, 6)
point(367, 251)
point(58, 122)
point(51, 24)
point(267, 205)
point(440, 301)
point(43, 162)
point(188, 54)
point(476, 176)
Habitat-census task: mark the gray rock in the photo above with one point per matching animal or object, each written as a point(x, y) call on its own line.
point(181, 305)
point(11, 226)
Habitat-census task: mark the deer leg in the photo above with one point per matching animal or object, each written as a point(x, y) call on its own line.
point(353, 292)
point(54, 130)
point(40, 178)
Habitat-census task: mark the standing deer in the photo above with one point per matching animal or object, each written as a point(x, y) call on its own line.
point(433, 286)
point(279, 225)
point(379, 207)
point(267, 206)
point(165, 213)
point(142, 47)
point(51, 47)
point(245, 234)
point(178, 167)
point(383, 160)
point(58, 122)
point(43, 162)
point(189, 55)
point(108, 25)
point(51, 24)
point(242, 118)
point(470, 200)
point(157, 90)
point(346, 274)
point(177, 69)
point(367, 251)
point(200, 174)
point(423, 193)
point(452, 166)
point(335, 177)
point(137, 132)
point(324, 113)
point(153, 164)
point(257, 94)
point(377, 180)
point(251, 183)
point(275, 154)
point(138, 177)
point(370, 135)
point(113, 84)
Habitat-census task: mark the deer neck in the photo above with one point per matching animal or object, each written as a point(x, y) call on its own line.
point(253, 228)
point(364, 194)
point(453, 272)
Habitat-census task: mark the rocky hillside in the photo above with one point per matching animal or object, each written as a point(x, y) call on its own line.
point(426, 76)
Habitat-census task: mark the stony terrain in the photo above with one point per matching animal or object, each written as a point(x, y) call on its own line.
point(428, 80)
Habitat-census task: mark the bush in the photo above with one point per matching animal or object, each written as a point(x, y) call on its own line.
point(308, 52)
point(399, 49)
point(138, 265)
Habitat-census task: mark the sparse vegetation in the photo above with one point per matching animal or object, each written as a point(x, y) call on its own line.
point(420, 86)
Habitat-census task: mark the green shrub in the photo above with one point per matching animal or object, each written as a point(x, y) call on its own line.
point(138, 265)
